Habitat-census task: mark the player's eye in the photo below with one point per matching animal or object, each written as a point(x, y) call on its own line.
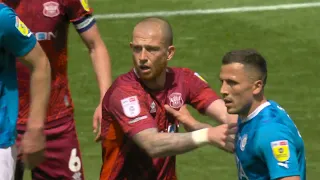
point(231, 82)
point(137, 49)
point(152, 49)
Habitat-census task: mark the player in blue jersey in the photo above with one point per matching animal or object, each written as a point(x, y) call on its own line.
point(268, 145)
point(16, 41)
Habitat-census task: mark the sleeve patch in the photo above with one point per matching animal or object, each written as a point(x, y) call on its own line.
point(281, 150)
point(22, 28)
point(200, 77)
point(85, 5)
point(131, 106)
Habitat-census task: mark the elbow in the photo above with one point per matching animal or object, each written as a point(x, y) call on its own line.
point(46, 67)
point(42, 64)
point(151, 150)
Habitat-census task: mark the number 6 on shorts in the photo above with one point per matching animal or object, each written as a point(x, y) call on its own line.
point(74, 161)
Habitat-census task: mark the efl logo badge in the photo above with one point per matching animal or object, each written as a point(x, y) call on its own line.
point(85, 5)
point(22, 28)
point(176, 100)
point(280, 150)
point(131, 106)
point(51, 9)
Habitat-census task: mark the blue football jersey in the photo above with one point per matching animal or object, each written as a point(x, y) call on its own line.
point(269, 145)
point(16, 40)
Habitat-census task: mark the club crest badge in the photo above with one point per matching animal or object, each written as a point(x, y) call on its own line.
point(51, 9)
point(175, 100)
point(243, 142)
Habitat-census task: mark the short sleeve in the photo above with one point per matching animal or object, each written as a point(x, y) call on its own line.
point(127, 106)
point(276, 147)
point(17, 38)
point(77, 9)
point(200, 95)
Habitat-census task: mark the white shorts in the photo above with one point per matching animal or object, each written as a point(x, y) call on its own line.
point(8, 158)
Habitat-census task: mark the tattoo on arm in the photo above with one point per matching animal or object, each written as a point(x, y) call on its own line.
point(164, 144)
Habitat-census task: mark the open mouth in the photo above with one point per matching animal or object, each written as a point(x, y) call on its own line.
point(144, 68)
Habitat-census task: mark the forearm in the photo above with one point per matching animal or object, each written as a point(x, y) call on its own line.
point(39, 94)
point(197, 126)
point(102, 67)
point(170, 144)
point(217, 111)
point(167, 144)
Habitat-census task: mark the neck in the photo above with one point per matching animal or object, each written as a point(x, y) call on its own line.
point(255, 104)
point(157, 83)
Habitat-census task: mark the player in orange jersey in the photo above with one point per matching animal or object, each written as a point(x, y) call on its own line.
point(49, 21)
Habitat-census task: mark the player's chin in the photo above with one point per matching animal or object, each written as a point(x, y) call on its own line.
point(232, 110)
point(147, 76)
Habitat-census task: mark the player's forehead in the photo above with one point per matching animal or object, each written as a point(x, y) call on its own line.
point(233, 71)
point(147, 36)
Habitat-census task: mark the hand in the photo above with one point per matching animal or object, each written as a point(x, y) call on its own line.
point(96, 122)
point(223, 136)
point(32, 147)
point(183, 116)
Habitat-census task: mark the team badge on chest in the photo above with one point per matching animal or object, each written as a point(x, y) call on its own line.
point(175, 100)
point(51, 9)
point(243, 142)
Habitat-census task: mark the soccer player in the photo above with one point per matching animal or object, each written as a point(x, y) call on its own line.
point(140, 139)
point(18, 42)
point(268, 143)
point(49, 21)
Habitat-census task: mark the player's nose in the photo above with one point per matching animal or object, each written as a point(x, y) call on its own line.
point(223, 89)
point(143, 55)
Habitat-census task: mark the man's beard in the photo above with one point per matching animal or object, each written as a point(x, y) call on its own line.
point(156, 71)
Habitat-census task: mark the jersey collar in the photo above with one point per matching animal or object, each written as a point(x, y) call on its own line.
point(255, 112)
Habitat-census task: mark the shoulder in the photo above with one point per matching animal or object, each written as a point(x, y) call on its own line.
point(180, 70)
point(181, 73)
point(3, 6)
point(6, 12)
point(126, 85)
point(273, 115)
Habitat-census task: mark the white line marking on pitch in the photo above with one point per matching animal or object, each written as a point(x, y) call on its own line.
point(208, 11)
